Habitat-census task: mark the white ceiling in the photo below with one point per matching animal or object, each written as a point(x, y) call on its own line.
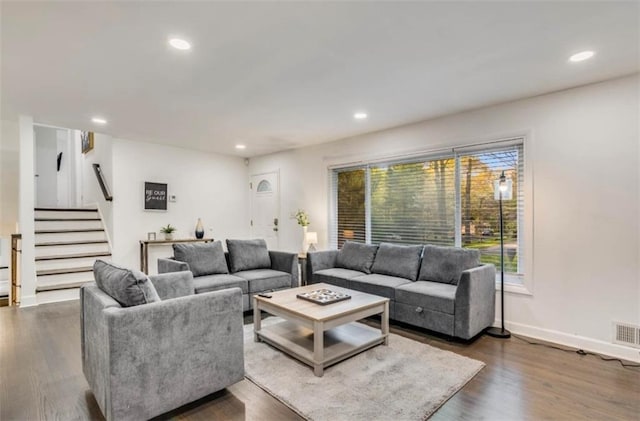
point(282, 75)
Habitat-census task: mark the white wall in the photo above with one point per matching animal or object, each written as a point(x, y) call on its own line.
point(583, 153)
point(208, 186)
point(9, 170)
point(26, 213)
point(91, 193)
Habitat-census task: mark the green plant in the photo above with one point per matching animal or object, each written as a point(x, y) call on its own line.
point(302, 218)
point(168, 229)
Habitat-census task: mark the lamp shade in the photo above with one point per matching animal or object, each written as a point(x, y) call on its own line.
point(503, 186)
point(312, 238)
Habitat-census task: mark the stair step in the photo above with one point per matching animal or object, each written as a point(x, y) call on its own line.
point(64, 271)
point(65, 225)
point(73, 256)
point(66, 209)
point(71, 243)
point(61, 279)
point(66, 219)
point(68, 231)
point(59, 287)
point(56, 296)
point(66, 214)
point(60, 250)
point(67, 237)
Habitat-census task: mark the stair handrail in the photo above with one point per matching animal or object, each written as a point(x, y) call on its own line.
point(14, 299)
point(103, 183)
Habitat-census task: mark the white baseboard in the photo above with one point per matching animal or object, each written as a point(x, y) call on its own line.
point(28, 301)
point(574, 341)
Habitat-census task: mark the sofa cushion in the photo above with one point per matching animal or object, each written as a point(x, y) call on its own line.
point(382, 285)
point(395, 260)
point(356, 256)
point(217, 282)
point(335, 276)
point(265, 279)
point(173, 284)
point(434, 296)
point(202, 258)
point(248, 254)
point(129, 287)
point(446, 264)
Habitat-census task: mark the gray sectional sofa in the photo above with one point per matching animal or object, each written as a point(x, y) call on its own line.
point(444, 289)
point(248, 265)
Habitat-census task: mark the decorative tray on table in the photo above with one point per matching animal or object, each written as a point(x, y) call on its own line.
point(323, 296)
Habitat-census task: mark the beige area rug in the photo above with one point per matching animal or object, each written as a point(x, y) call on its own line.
point(405, 380)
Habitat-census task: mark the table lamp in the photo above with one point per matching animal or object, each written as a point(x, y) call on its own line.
point(312, 240)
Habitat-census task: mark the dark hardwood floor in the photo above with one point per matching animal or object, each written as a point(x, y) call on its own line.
point(41, 378)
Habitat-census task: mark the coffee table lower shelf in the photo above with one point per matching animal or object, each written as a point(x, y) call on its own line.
point(340, 342)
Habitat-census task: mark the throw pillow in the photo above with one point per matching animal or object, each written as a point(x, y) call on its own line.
point(128, 287)
point(446, 264)
point(356, 256)
point(395, 260)
point(248, 254)
point(202, 258)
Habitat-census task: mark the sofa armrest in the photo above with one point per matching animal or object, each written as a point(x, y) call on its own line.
point(170, 265)
point(475, 301)
point(318, 260)
point(285, 262)
point(93, 339)
point(173, 284)
point(147, 343)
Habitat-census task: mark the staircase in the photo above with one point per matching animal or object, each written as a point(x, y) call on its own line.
point(68, 242)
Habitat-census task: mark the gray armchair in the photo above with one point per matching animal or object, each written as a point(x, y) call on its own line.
point(145, 360)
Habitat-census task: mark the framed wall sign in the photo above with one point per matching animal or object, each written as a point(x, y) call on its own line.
point(87, 141)
point(155, 196)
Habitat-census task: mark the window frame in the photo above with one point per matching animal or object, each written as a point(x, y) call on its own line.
point(514, 283)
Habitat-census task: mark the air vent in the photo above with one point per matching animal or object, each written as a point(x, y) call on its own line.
point(626, 334)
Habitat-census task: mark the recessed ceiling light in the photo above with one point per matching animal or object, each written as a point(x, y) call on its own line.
point(180, 44)
point(99, 120)
point(360, 115)
point(241, 147)
point(582, 55)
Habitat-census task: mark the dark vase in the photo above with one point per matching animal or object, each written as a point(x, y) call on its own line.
point(199, 229)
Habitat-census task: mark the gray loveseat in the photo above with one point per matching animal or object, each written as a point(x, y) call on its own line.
point(150, 344)
point(444, 289)
point(247, 265)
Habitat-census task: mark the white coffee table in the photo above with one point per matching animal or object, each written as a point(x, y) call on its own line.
point(321, 335)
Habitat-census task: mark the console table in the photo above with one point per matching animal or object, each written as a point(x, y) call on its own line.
point(145, 244)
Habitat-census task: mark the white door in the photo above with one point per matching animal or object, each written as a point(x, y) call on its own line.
point(46, 173)
point(265, 208)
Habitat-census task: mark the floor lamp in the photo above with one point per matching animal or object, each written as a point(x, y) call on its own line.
point(502, 191)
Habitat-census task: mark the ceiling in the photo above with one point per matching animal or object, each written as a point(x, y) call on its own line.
point(282, 75)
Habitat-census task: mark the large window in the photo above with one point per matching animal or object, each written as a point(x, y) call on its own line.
point(444, 199)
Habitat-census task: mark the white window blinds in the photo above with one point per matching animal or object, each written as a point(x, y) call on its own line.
point(444, 200)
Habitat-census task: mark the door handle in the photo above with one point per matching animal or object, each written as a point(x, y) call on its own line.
point(275, 221)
